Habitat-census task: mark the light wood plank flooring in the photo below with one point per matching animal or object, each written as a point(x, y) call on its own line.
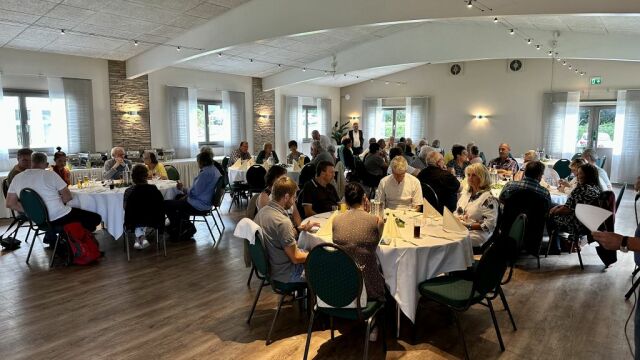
point(194, 303)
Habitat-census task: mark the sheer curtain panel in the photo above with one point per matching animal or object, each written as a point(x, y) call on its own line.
point(291, 115)
point(324, 113)
point(560, 117)
point(58, 106)
point(5, 122)
point(178, 113)
point(233, 105)
point(625, 165)
point(416, 110)
point(78, 101)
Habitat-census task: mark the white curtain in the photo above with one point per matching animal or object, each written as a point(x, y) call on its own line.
point(233, 105)
point(5, 122)
point(560, 124)
point(292, 109)
point(78, 101)
point(625, 165)
point(180, 122)
point(416, 118)
point(194, 149)
point(368, 120)
point(58, 108)
point(324, 113)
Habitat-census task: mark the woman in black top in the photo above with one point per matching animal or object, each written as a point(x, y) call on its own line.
point(266, 153)
point(143, 205)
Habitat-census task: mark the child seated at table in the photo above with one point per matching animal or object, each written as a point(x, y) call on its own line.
point(143, 204)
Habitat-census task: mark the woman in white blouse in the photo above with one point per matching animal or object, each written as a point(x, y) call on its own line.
point(477, 208)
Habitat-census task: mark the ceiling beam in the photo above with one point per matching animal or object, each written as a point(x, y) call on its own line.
point(266, 19)
point(443, 43)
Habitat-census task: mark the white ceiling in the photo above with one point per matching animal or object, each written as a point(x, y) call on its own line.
point(380, 73)
point(36, 24)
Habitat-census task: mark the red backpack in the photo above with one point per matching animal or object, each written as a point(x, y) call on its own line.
point(82, 244)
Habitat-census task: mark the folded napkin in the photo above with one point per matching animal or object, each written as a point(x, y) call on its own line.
point(390, 231)
point(246, 229)
point(250, 162)
point(450, 223)
point(428, 210)
point(245, 165)
point(327, 228)
point(591, 216)
point(237, 164)
point(296, 166)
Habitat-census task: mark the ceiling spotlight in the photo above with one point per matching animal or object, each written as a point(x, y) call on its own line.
point(135, 42)
point(386, 83)
point(178, 48)
point(569, 67)
point(250, 60)
point(304, 69)
point(564, 62)
point(345, 75)
point(325, 73)
point(495, 20)
point(62, 32)
point(577, 71)
point(581, 73)
point(550, 53)
point(279, 65)
point(537, 47)
point(469, 4)
point(511, 31)
point(529, 41)
point(219, 54)
point(371, 81)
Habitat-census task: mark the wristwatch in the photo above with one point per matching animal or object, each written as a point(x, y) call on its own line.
point(624, 244)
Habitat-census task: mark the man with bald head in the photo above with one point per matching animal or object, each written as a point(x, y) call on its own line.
point(505, 164)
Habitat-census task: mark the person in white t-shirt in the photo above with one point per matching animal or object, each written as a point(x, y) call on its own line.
point(400, 190)
point(54, 193)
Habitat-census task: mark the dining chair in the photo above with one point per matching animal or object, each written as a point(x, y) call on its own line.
point(172, 172)
point(237, 189)
point(562, 168)
point(430, 195)
point(151, 217)
point(195, 216)
point(19, 220)
point(336, 283)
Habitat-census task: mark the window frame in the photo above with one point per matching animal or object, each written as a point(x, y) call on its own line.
point(22, 95)
point(206, 103)
point(394, 110)
point(305, 110)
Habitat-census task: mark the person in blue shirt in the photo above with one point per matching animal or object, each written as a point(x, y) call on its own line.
point(193, 200)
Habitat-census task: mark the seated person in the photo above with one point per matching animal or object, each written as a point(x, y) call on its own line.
point(397, 151)
point(195, 200)
point(366, 150)
point(53, 191)
point(279, 235)
point(590, 156)
point(504, 163)
point(24, 162)
point(266, 153)
point(408, 150)
point(548, 174)
point(477, 208)
point(474, 155)
point(60, 166)
point(319, 195)
point(115, 167)
point(374, 163)
point(241, 153)
point(384, 148)
point(400, 190)
point(319, 153)
point(346, 154)
point(531, 182)
point(444, 183)
point(358, 233)
point(562, 217)
point(459, 161)
point(420, 161)
point(294, 154)
point(568, 186)
point(141, 190)
point(154, 168)
point(275, 173)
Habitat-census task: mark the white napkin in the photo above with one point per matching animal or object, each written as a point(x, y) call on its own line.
point(237, 164)
point(327, 228)
point(450, 223)
point(591, 216)
point(250, 162)
point(245, 165)
point(428, 210)
point(390, 231)
point(296, 167)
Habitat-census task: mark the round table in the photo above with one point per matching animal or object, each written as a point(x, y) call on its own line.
point(109, 203)
point(239, 174)
point(408, 261)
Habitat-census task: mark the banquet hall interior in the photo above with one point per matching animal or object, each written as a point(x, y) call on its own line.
point(222, 88)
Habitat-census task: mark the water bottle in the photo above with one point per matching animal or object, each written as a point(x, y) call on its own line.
point(126, 175)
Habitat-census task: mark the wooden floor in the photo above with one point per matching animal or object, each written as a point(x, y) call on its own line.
point(194, 303)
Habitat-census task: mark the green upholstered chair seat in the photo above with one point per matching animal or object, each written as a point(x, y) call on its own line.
point(448, 290)
point(352, 314)
point(288, 288)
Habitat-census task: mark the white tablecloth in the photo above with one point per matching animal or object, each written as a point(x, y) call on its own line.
point(405, 265)
point(188, 169)
point(109, 203)
point(548, 162)
point(241, 175)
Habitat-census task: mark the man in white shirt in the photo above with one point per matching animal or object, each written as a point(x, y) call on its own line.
point(400, 190)
point(590, 156)
point(54, 193)
point(324, 139)
point(357, 139)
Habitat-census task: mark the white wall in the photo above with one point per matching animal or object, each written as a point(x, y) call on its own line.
point(208, 85)
point(21, 70)
point(325, 92)
point(513, 101)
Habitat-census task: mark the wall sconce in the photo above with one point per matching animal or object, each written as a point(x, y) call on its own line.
point(354, 118)
point(481, 117)
point(132, 113)
point(265, 116)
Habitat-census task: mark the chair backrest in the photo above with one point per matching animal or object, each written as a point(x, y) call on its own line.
point(255, 176)
point(333, 276)
point(562, 168)
point(607, 200)
point(430, 195)
point(34, 207)
point(225, 163)
point(219, 191)
point(492, 266)
point(517, 231)
point(307, 173)
point(576, 156)
point(252, 208)
point(5, 187)
point(483, 157)
point(535, 209)
point(601, 161)
point(144, 207)
point(620, 194)
point(172, 172)
point(259, 256)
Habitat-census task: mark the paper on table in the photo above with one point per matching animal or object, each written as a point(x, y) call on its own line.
point(327, 228)
point(591, 216)
point(428, 210)
point(390, 231)
point(451, 223)
point(237, 164)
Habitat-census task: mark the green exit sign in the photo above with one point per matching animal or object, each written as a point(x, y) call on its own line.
point(596, 80)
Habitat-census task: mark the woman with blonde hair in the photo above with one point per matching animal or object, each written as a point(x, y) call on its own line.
point(477, 208)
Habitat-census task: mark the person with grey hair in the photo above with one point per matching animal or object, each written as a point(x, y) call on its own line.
point(443, 182)
point(319, 153)
point(530, 155)
point(591, 156)
point(400, 190)
point(366, 151)
point(54, 193)
point(324, 139)
point(420, 161)
point(114, 167)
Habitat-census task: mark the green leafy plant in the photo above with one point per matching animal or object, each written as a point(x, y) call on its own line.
point(339, 130)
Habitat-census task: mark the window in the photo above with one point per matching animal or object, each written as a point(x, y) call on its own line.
point(31, 112)
point(596, 127)
point(310, 121)
point(394, 121)
point(212, 127)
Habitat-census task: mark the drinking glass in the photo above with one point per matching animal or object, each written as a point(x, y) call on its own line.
point(417, 223)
